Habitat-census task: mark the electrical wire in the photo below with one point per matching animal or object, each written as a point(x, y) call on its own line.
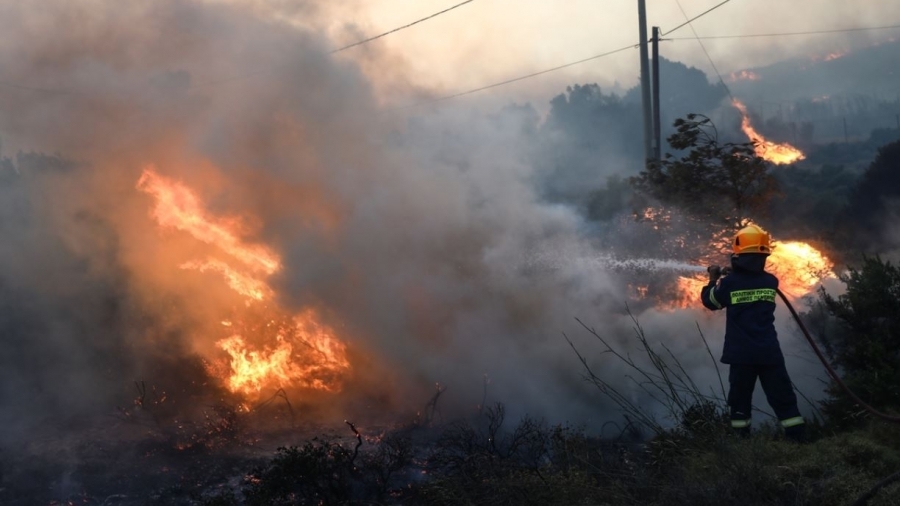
point(697, 37)
point(787, 34)
point(698, 16)
point(338, 50)
point(520, 78)
point(831, 372)
point(534, 74)
point(370, 39)
point(258, 72)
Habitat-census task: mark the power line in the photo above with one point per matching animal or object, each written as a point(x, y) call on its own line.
point(358, 43)
point(534, 74)
point(370, 39)
point(783, 34)
point(257, 72)
point(708, 57)
point(698, 16)
point(520, 78)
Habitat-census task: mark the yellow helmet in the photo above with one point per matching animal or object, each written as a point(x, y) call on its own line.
point(752, 239)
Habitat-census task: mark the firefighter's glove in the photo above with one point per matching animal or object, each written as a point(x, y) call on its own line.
point(714, 273)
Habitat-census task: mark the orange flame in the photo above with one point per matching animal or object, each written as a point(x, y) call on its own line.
point(316, 359)
point(777, 153)
point(178, 207)
point(254, 369)
point(688, 291)
point(241, 283)
point(798, 266)
point(305, 353)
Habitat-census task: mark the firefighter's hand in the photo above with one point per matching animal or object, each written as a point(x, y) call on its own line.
point(714, 273)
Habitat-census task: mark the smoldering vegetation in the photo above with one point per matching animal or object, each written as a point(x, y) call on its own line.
point(447, 247)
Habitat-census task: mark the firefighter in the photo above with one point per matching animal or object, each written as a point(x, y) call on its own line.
point(747, 293)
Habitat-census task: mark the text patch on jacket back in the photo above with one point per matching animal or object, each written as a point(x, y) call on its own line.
point(760, 294)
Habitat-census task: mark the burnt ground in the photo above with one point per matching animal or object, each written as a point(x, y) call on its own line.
point(217, 450)
point(126, 459)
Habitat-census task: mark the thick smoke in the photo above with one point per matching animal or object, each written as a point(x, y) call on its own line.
point(411, 236)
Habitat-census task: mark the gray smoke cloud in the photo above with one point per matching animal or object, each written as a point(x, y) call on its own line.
point(410, 234)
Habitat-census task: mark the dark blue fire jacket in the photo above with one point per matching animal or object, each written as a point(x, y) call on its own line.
point(748, 296)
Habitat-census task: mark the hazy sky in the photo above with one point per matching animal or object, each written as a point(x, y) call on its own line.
point(487, 41)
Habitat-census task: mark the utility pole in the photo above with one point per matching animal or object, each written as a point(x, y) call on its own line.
point(657, 143)
point(645, 80)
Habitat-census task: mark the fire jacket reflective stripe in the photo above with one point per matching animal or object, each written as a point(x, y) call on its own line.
point(745, 296)
point(792, 422)
point(740, 424)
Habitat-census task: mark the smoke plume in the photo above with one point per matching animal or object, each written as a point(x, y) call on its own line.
point(409, 235)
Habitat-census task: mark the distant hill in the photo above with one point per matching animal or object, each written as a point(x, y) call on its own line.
point(838, 98)
point(872, 71)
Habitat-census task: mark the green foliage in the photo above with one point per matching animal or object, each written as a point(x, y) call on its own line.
point(721, 184)
point(867, 348)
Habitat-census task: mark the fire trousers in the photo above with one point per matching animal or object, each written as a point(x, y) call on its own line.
point(778, 389)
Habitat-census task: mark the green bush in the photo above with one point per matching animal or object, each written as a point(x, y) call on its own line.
point(865, 345)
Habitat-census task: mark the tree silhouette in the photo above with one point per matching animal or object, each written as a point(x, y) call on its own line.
point(723, 184)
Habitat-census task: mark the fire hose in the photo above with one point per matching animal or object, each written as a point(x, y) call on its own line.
point(864, 498)
point(831, 372)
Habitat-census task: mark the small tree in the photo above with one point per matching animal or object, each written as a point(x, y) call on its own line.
point(867, 345)
point(722, 184)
